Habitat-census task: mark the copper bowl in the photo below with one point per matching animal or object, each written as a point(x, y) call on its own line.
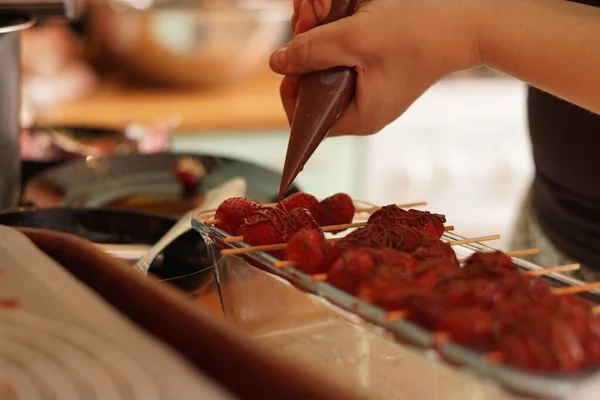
point(200, 43)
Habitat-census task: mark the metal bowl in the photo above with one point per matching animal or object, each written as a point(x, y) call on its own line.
point(184, 263)
point(187, 44)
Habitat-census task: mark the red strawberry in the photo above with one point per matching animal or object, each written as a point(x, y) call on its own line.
point(337, 209)
point(303, 219)
point(310, 251)
point(232, 212)
point(302, 200)
point(267, 225)
point(350, 269)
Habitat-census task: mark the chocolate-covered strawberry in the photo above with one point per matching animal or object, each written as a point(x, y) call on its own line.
point(272, 225)
point(302, 200)
point(231, 213)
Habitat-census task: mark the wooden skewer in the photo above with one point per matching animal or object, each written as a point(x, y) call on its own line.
point(358, 210)
point(329, 228)
point(495, 357)
point(396, 315)
point(281, 246)
point(284, 263)
point(264, 247)
point(319, 277)
point(576, 289)
point(514, 253)
point(596, 310)
point(473, 240)
point(560, 268)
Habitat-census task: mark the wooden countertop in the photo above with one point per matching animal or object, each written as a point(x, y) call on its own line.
point(247, 106)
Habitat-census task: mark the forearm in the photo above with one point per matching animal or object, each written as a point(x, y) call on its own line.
point(553, 45)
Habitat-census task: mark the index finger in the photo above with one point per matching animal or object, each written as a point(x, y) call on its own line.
point(295, 15)
point(309, 14)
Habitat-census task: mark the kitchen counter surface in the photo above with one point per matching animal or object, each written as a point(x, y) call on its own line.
point(240, 108)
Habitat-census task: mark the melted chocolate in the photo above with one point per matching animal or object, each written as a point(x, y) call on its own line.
point(323, 96)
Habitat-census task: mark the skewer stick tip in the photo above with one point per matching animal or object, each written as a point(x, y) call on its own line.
point(440, 338)
point(576, 289)
point(319, 277)
point(550, 270)
point(396, 315)
point(473, 240)
point(233, 239)
point(495, 357)
point(284, 263)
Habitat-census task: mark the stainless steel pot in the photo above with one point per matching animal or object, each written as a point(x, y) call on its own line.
point(10, 101)
point(16, 15)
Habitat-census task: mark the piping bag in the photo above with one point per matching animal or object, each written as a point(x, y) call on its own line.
point(323, 96)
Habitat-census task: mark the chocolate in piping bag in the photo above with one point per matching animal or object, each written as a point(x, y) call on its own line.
point(323, 96)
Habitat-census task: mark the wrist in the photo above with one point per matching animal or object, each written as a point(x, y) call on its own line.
point(472, 17)
point(492, 17)
point(480, 13)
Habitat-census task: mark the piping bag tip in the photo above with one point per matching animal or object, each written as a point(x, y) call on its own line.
point(322, 98)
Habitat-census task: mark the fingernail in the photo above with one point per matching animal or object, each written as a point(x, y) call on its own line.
point(279, 59)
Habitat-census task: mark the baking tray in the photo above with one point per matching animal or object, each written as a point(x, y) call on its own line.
point(263, 299)
point(225, 356)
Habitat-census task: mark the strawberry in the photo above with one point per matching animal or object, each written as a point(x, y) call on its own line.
point(310, 251)
point(350, 269)
point(232, 212)
point(267, 225)
point(303, 219)
point(302, 200)
point(337, 209)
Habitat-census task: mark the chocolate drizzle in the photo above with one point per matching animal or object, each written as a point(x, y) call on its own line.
point(370, 236)
point(278, 218)
point(374, 235)
point(393, 215)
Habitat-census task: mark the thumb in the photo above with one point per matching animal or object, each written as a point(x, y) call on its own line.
point(323, 47)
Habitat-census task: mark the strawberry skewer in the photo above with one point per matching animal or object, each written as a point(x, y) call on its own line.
point(328, 214)
point(535, 273)
point(460, 322)
point(331, 228)
point(281, 246)
point(487, 317)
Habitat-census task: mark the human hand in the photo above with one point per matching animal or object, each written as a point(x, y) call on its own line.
point(399, 48)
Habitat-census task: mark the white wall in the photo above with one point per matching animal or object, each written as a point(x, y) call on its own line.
point(464, 148)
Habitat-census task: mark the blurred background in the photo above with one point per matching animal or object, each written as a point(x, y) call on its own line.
point(192, 77)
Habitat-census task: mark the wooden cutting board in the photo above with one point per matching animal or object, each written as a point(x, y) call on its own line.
point(223, 353)
point(252, 105)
